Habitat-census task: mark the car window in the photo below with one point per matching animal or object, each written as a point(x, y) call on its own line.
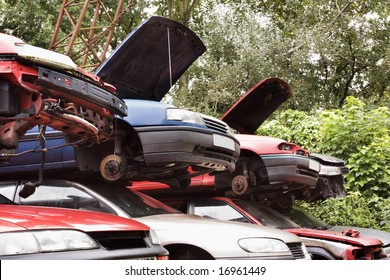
point(4, 200)
point(136, 205)
point(8, 190)
point(265, 215)
point(64, 196)
point(218, 210)
point(304, 219)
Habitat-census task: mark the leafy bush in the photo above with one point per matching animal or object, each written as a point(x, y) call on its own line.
point(357, 134)
point(352, 210)
point(293, 126)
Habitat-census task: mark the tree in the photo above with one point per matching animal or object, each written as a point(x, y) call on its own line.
point(327, 51)
point(33, 21)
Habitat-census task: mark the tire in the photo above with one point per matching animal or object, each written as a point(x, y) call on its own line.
point(190, 254)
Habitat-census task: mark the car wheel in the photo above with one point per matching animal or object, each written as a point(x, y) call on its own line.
point(190, 254)
point(113, 168)
point(240, 184)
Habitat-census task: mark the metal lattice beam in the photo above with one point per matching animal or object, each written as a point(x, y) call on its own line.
point(84, 29)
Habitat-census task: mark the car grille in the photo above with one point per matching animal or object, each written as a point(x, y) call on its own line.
point(112, 240)
point(296, 250)
point(376, 255)
point(216, 124)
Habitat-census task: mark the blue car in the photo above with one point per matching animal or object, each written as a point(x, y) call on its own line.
point(155, 141)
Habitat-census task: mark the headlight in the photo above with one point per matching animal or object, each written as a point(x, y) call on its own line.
point(174, 114)
point(285, 147)
point(330, 170)
point(154, 238)
point(16, 243)
point(263, 245)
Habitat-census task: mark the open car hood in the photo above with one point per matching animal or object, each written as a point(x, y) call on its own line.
point(144, 66)
point(258, 103)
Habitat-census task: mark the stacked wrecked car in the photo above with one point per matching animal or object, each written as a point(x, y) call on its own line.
point(102, 141)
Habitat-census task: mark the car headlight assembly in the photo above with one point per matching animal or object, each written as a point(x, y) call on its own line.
point(154, 238)
point(43, 241)
point(263, 245)
point(175, 114)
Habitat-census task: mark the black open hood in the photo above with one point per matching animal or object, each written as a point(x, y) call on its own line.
point(141, 67)
point(258, 103)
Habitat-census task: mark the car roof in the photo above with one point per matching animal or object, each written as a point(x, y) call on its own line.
point(144, 65)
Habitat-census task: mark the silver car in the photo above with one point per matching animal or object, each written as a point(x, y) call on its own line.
point(184, 236)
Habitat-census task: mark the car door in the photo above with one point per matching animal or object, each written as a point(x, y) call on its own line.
point(55, 158)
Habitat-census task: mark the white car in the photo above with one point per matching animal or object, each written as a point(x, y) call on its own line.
point(184, 236)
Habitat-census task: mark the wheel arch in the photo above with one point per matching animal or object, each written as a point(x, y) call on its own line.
point(176, 251)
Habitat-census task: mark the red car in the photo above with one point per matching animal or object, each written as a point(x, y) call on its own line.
point(43, 233)
point(321, 244)
point(275, 166)
point(39, 86)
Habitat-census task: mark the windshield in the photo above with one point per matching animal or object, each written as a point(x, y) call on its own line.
point(265, 215)
point(304, 219)
point(134, 204)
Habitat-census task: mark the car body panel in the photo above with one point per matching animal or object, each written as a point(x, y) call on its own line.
point(195, 230)
point(379, 234)
point(151, 59)
point(219, 239)
point(304, 219)
point(336, 236)
point(42, 217)
point(39, 86)
point(134, 236)
point(174, 141)
point(328, 245)
point(258, 103)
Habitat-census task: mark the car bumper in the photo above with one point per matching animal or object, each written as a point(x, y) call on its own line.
point(178, 144)
point(291, 169)
point(330, 166)
point(95, 254)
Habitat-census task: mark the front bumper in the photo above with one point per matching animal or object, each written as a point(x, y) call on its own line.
point(95, 254)
point(330, 166)
point(285, 168)
point(195, 146)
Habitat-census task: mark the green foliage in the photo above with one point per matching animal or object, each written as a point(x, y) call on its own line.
point(294, 126)
point(369, 169)
point(353, 210)
point(343, 132)
point(359, 134)
point(326, 51)
point(355, 133)
point(33, 21)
